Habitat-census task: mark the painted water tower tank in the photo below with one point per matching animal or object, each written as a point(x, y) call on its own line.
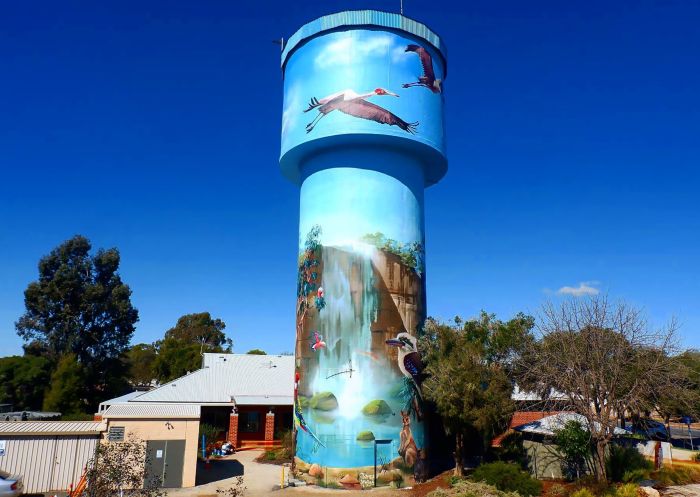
point(363, 135)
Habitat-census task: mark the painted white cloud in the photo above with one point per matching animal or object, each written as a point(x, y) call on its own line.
point(398, 54)
point(343, 51)
point(583, 288)
point(292, 107)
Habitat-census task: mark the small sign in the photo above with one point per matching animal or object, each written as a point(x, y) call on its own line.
point(159, 454)
point(2, 448)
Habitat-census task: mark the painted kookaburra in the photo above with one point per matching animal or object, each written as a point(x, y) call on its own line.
point(410, 362)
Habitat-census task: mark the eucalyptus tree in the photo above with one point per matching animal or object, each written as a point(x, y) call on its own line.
point(468, 371)
point(79, 305)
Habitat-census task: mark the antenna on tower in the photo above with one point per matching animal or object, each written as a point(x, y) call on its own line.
point(280, 42)
point(401, 7)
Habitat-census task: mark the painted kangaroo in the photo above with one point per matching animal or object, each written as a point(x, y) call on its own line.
point(407, 447)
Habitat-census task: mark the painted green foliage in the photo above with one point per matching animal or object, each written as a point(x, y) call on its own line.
point(308, 277)
point(411, 254)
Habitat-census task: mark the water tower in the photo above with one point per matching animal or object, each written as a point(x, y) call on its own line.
point(363, 135)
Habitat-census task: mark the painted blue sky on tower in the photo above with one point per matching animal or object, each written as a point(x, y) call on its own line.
point(363, 62)
point(347, 212)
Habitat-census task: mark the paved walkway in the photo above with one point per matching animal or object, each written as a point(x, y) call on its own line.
point(260, 478)
point(682, 491)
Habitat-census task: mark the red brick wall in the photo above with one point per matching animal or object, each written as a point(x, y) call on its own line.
point(233, 429)
point(269, 426)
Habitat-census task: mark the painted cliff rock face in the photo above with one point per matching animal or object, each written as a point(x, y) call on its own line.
point(356, 390)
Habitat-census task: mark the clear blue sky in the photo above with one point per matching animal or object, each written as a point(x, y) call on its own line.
point(573, 135)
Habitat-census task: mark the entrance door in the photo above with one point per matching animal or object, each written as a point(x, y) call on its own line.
point(164, 463)
point(174, 463)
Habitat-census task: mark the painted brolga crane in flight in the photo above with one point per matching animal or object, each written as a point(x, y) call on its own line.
point(353, 104)
point(428, 78)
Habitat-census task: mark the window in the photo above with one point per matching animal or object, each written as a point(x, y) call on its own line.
point(249, 422)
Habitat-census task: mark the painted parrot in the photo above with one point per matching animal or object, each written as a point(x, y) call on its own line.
point(318, 342)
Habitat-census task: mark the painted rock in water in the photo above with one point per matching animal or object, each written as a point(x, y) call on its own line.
point(316, 471)
point(376, 407)
point(324, 401)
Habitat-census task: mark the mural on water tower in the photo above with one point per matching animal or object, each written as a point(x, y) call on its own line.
point(361, 278)
point(360, 306)
point(363, 81)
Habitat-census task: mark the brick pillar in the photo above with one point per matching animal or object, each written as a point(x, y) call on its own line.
point(269, 426)
point(233, 429)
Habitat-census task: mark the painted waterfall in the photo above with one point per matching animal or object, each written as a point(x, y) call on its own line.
point(360, 306)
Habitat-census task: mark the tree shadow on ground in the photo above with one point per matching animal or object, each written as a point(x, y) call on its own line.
point(218, 469)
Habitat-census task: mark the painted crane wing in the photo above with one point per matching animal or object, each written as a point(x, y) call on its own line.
point(367, 110)
point(427, 62)
point(327, 103)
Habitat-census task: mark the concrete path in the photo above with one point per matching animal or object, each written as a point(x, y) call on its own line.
point(260, 478)
point(682, 491)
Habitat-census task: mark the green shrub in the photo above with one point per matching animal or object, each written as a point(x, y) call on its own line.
point(677, 475)
point(583, 492)
point(623, 460)
point(508, 477)
point(439, 493)
point(626, 490)
point(286, 440)
point(594, 486)
point(574, 443)
point(209, 431)
point(696, 457)
point(466, 488)
point(454, 480)
point(557, 490)
point(635, 475)
point(512, 450)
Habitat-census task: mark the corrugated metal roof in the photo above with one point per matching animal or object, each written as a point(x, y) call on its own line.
point(549, 425)
point(51, 427)
point(239, 379)
point(358, 18)
point(119, 400)
point(263, 400)
point(135, 410)
point(523, 395)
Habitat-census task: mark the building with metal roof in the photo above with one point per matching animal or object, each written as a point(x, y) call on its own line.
point(248, 397)
point(50, 455)
point(122, 399)
point(146, 411)
point(243, 398)
point(8, 428)
point(230, 380)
